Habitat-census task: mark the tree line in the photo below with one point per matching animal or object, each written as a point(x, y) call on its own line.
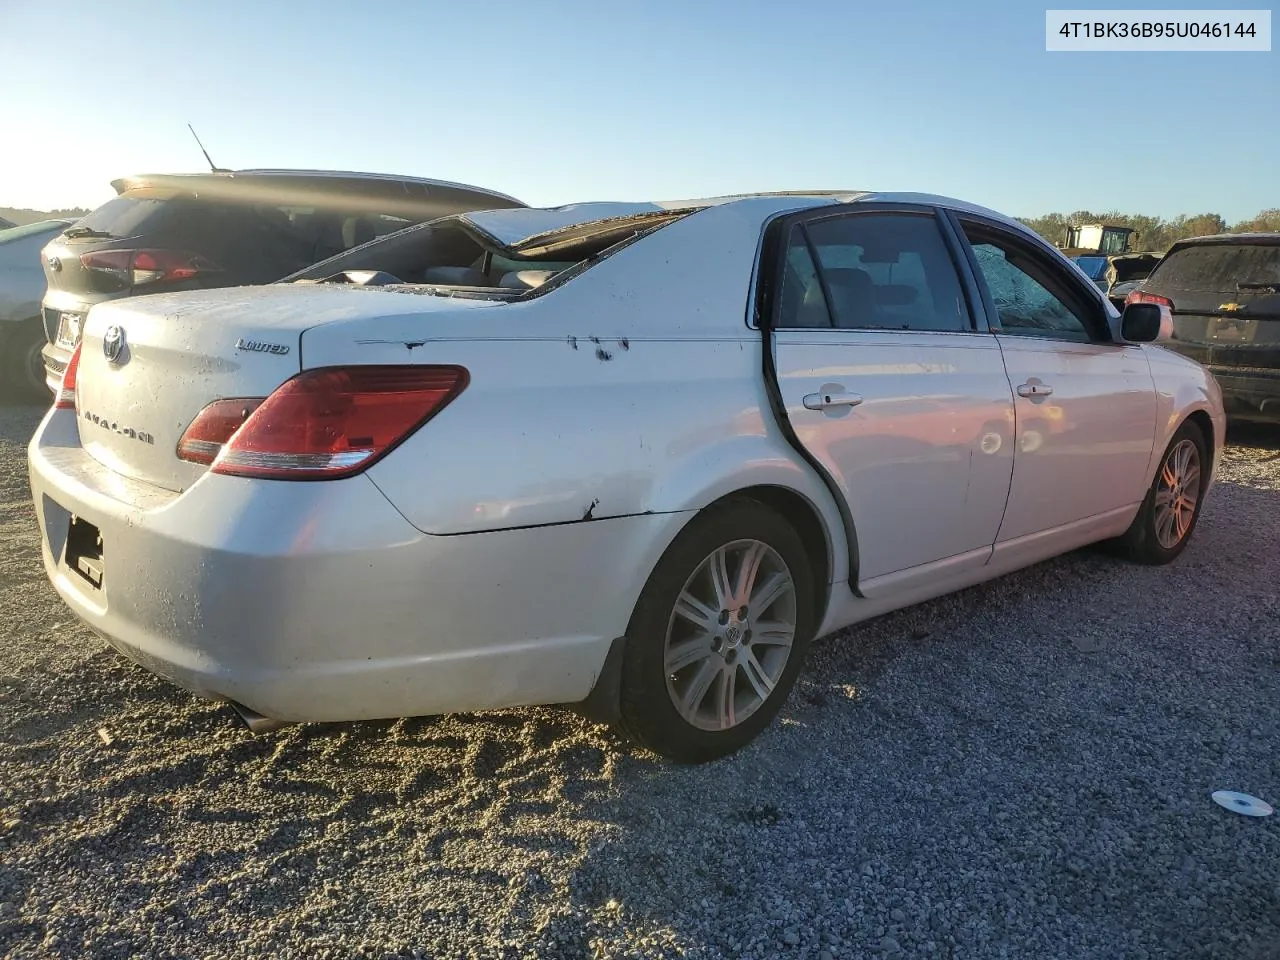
point(1152, 233)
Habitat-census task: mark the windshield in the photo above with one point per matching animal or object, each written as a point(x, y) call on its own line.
point(1095, 267)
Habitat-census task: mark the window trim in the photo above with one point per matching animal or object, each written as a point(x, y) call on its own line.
point(1061, 281)
point(773, 265)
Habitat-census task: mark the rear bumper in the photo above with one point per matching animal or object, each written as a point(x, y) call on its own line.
point(56, 355)
point(55, 362)
point(1249, 393)
point(319, 601)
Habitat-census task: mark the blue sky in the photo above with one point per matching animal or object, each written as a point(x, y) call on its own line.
point(635, 99)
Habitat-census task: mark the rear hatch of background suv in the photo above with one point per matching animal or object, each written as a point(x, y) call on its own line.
point(1225, 296)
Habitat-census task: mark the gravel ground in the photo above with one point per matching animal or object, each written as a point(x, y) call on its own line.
point(1020, 770)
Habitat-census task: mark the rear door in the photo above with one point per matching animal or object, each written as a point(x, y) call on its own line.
point(891, 388)
point(1085, 406)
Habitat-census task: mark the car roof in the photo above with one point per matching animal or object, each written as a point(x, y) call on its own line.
point(22, 230)
point(136, 181)
point(523, 226)
point(1252, 237)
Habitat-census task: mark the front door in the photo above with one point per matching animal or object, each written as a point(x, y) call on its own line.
point(1085, 406)
point(892, 390)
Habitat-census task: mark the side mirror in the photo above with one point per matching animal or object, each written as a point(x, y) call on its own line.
point(1146, 322)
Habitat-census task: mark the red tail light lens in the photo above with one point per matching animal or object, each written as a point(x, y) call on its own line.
point(138, 268)
point(66, 399)
point(1137, 296)
point(213, 427)
point(334, 422)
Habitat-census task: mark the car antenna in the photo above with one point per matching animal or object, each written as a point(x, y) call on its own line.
point(212, 166)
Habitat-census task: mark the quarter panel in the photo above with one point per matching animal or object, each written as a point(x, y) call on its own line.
point(548, 432)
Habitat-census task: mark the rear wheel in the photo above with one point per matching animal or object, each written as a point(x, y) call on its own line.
point(24, 364)
point(718, 635)
point(1171, 509)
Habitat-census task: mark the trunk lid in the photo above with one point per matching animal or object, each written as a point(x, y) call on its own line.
point(181, 352)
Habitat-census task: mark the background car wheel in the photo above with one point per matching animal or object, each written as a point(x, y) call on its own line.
point(718, 635)
point(1171, 509)
point(24, 373)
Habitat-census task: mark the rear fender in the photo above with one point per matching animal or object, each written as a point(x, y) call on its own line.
point(752, 461)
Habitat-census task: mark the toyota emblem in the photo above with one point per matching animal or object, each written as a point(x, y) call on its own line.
point(113, 344)
point(55, 263)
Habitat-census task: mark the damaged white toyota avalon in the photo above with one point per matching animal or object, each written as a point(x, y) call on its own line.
point(629, 456)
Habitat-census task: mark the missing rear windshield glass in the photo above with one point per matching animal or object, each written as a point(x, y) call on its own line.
point(452, 258)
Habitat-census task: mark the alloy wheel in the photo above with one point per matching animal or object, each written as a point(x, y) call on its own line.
point(1177, 494)
point(730, 635)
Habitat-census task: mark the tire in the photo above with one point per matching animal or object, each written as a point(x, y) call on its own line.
point(672, 653)
point(1160, 531)
point(24, 374)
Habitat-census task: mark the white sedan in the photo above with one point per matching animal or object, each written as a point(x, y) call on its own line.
point(630, 456)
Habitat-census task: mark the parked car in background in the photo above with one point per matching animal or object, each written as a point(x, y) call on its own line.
point(629, 455)
point(167, 232)
point(22, 286)
point(1119, 294)
point(6, 224)
point(1117, 275)
point(1095, 268)
point(1224, 292)
point(1126, 272)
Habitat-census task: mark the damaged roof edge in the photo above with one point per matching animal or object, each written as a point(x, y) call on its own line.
point(549, 241)
point(522, 230)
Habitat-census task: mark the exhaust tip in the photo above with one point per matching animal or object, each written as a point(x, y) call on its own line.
point(256, 722)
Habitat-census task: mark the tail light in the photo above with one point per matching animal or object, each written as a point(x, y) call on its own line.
point(322, 424)
point(213, 427)
point(138, 268)
point(66, 399)
point(1138, 296)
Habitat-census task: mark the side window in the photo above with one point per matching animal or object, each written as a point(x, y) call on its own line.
point(1022, 292)
point(889, 272)
point(803, 303)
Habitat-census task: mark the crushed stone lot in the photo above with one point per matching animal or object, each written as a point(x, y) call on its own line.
point(1019, 770)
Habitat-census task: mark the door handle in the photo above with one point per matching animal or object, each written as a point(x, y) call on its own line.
point(1035, 390)
point(831, 398)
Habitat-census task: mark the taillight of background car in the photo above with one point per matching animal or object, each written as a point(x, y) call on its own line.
point(140, 268)
point(66, 398)
point(322, 424)
point(1138, 296)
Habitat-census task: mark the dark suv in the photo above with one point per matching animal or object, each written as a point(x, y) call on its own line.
point(228, 228)
point(1224, 292)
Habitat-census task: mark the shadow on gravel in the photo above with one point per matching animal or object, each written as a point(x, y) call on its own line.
point(962, 779)
point(1261, 436)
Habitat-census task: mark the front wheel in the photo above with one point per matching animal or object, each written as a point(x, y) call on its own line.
point(1171, 509)
point(718, 635)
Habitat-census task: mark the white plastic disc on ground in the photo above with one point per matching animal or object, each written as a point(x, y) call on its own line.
point(1242, 803)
